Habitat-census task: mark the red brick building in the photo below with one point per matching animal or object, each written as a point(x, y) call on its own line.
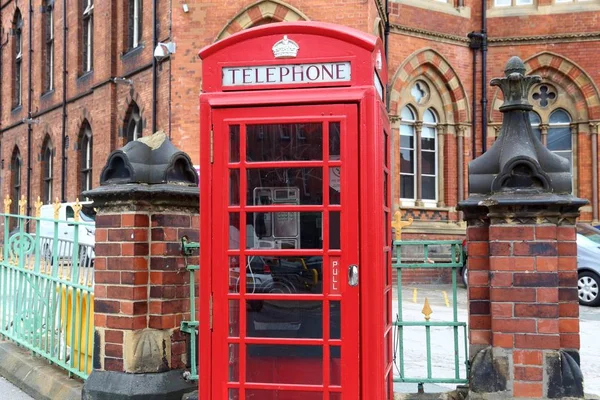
point(78, 80)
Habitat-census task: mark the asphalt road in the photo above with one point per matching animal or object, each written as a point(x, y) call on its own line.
point(9, 391)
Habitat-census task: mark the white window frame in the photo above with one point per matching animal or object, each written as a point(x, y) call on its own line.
point(512, 3)
point(18, 100)
point(86, 164)
point(50, 46)
point(48, 178)
point(136, 23)
point(434, 126)
point(411, 125)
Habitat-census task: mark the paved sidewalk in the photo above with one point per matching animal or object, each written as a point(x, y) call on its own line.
point(442, 341)
point(10, 391)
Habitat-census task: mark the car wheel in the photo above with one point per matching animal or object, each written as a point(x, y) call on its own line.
point(464, 277)
point(588, 287)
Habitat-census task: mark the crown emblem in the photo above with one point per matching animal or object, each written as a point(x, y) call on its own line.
point(285, 48)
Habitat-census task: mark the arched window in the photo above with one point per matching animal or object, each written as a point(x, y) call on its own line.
point(418, 156)
point(559, 135)
point(555, 133)
point(408, 160)
point(16, 166)
point(135, 23)
point(17, 59)
point(87, 29)
point(48, 50)
point(429, 156)
point(47, 166)
point(85, 158)
point(134, 124)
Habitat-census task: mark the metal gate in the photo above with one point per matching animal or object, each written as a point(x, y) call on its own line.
point(412, 255)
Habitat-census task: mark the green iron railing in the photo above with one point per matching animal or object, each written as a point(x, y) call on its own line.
point(191, 326)
point(46, 288)
point(419, 255)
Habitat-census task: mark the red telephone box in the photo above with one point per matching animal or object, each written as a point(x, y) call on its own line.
point(295, 235)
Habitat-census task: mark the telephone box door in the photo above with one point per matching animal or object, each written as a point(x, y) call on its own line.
point(285, 273)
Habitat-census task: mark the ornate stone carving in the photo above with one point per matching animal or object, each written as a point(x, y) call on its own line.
point(518, 160)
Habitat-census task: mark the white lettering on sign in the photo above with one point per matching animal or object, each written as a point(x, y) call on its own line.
point(335, 276)
point(287, 74)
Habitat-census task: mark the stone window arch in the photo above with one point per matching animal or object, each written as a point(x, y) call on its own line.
point(47, 179)
point(553, 122)
point(421, 125)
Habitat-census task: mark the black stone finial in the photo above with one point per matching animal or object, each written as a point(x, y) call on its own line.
point(150, 160)
point(518, 161)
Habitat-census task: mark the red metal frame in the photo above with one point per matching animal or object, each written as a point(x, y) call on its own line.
point(366, 334)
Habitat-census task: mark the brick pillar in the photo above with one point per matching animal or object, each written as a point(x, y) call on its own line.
point(523, 303)
point(141, 286)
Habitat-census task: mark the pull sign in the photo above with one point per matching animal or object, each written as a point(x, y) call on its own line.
point(336, 281)
point(353, 275)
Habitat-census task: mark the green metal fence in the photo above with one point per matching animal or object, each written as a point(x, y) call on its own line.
point(46, 286)
point(410, 255)
point(191, 327)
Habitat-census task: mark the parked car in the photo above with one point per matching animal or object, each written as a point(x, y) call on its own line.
point(588, 265)
point(66, 232)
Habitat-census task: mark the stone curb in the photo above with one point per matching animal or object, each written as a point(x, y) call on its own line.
point(35, 376)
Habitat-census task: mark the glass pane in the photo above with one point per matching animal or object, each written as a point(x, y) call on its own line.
point(502, 3)
point(407, 186)
point(407, 130)
point(234, 143)
point(285, 319)
point(334, 185)
point(428, 189)
point(334, 230)
point(407, 142)
point(559, 138)
point(428, 162)
point(524, 2)
point(234, 187)
point(407, 115)
point(234, 318)
point(284, 230)
point(234, 362)
point(259, 394)
point(407, 162)
point(284, 364)
point(234, 231)
point(534, 118)
point(335, 366)
point(234, 274)
point(285, 186)
point(428, 143)
point(234, 394)
point(559, 117)
point(385, 189)
point(335, 396)
point(281, 142)
point(334, 141)
point(335, 320)
point(284, 275)
point(429, 116)
point(386, 161)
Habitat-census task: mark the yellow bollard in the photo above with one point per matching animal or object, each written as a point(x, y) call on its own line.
point(446, 298)
point(81, 323)
point(414, 295)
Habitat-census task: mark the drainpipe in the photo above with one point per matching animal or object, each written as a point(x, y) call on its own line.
point(386, 51)
point(29, 106)
point(64, 108)
point(483, 76)
point(154, 64)
point(2, 46)
point(475, 45)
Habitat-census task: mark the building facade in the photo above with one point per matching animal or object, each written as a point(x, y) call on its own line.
point(78, 80)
